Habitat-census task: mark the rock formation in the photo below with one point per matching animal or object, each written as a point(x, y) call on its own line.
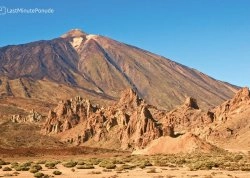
point(32, 117)
point(135, 126)
point(186, 117)
point(131, 123)
point(231, 122)
point(68, 114)
point(236, 105)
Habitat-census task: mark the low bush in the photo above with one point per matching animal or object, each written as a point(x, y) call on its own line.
point(93, 161)
point(85, 166)
point(95, 172)
point(7, 169)
point(50, 165)
point(33, 170)
point(14, 164)
point(21, 168)
point(152, 170)
point(70, 164)
point(80, 163)
point(107, 165)
point(2, 162)
point(36, 166)
point(57, 172)
point(125, 166)
point(38, 175)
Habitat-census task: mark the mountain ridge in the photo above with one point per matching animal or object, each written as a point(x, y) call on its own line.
point(102, 67)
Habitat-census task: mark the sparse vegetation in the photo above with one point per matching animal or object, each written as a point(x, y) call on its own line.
point(50, 165)
point(57, 172)
point(85, 166)
point(95, 172)
point(7, 169)
point(2, 162)
point(107, 170)
point(125, 166)
point(107, 164)
point(36, 166)
point(33, 170)
point(152, 170)
point(70, 164)
point(14, 164)
point(195, 161)
point(38, 175)
point(21, 168)
point(80, 163)
point(93, 161)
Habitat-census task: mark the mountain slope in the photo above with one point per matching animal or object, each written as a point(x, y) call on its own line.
point(100, 68)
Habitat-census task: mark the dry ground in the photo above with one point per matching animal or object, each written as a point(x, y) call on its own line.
point(108, 164)
point(161, 172)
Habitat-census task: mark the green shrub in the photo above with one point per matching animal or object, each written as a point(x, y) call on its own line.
point(14, 164)
point(7, 175)
point(7, 169)
point(125, 166)
point(107, 165)
point(57, 172)
point(245, 168)
point(237, 158)
point(2, 162)
point(38, 175)
point(117, 161)
point(85, 166)
point(21, 168)
point(36, 166)
point(152, 170)
point(144, 163)
point(142, 166)
point(107, 170)
point(33, 170)
point(110, 166)
point(16, 173)
point(95, 172)
point(80, 163)
point(70, 164)
point(93, 161)
point(27, 164)
point(50, 165)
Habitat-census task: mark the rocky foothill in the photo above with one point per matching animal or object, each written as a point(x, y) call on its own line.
point(32, 117)
point(134, 123)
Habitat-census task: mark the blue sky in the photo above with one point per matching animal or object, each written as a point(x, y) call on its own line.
point(212, 36)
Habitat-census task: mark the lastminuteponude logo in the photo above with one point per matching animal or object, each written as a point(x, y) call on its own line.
point(5, 10)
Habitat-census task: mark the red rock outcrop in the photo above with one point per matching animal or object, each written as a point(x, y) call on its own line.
point(32, 117)
point(234, 106)
point(132, 124)
point(186, 117)
point(68, 114)
point(78, 121)
point(232, 123)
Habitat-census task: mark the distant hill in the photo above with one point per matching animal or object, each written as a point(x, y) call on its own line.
point(99, 68)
